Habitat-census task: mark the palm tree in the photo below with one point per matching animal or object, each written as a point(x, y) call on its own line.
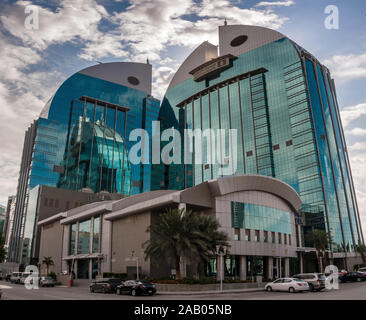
point(361, 248)
point(211, 236)
point(320, 239)
point(48, 262)
point(3, 251)
point(177, 234)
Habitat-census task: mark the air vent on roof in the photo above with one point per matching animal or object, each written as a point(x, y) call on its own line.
point(133, 80)
point(238, 40)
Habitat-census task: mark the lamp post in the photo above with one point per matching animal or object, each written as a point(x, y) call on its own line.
point(221, 252)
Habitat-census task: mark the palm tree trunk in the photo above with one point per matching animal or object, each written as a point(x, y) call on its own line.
point(319, 260)
point(198, 270)
point(324, 260)
point(177, 268)
point(47, 267)
point(363, 257)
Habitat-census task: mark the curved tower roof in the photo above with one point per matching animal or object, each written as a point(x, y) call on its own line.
point(233, 39)
point(238, 39)
point(129, 74)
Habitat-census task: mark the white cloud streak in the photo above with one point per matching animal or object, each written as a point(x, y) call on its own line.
point(147, 28)
point(275, 3)
point(351, 113)
point(349, 67)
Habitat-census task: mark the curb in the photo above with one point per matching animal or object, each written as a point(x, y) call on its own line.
point(208, 292)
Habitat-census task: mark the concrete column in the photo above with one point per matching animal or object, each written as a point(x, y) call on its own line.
point(91, 235)
point(76, 269)
point(270, 268)
point(183, 263)
point(90, 268)
point(76, 238)
point(182, 206)
point(183, 267)
point(65, 246)
point(301, 263)
point(243, 268)
point(299, 233)
point(220, 264)
point(287, 267)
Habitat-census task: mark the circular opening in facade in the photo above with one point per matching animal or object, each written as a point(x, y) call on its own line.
point(238, 40)
point(133, 80)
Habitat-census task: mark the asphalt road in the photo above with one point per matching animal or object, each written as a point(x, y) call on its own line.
point(347, 291)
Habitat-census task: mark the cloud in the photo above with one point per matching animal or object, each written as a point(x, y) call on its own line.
point(71, 20)
point(349, 67)
point(162, 76)
point(351, 113)
point(275, 3)
point(357, 155)
point(356, 132)
point(30, 70)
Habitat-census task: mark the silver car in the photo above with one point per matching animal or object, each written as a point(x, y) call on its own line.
point(316, 281)
point(46, 282)
point(288, 285)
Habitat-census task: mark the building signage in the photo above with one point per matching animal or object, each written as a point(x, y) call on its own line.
point(213, 67)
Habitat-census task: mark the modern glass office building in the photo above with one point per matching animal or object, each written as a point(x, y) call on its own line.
point(282, 102)
point(81, 141)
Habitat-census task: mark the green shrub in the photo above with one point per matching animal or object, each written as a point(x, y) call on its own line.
point(53, 275)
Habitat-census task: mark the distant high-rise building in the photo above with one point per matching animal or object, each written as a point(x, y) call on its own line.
point(2, 218)
point(282, 101)
point(81, 141)
point(9, 217)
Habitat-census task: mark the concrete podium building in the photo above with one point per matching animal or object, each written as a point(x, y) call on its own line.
point(257, 213)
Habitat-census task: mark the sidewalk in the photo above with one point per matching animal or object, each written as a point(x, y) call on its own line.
point(208, 292)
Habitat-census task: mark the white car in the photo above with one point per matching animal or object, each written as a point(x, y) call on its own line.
point(287, 284)
point(362, 270)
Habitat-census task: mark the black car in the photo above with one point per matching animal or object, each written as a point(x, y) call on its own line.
point(136, 288)
point(108, 285)
point(353, 277)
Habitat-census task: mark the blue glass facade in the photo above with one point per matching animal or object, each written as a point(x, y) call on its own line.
point(66, 111)
point(79, 144)
point(282, 102)
point(256, 217)
point(96, 156)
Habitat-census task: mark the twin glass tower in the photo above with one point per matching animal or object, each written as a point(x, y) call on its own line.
point(282, 102)
point(278, 97)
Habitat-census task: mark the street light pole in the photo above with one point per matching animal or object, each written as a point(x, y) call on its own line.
point(221, 252)
point(137, 265)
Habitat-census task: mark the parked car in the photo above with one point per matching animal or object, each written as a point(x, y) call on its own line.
point(316, 281)
point(7, 277)
point(24, 276)
point(46, 282)
point(108, 285)
point(287, 284)
point(362, 270)
point(15, 277)
point(353, 277)
point(136, 288)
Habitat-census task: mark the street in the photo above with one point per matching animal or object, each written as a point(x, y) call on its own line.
point(347, 291)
